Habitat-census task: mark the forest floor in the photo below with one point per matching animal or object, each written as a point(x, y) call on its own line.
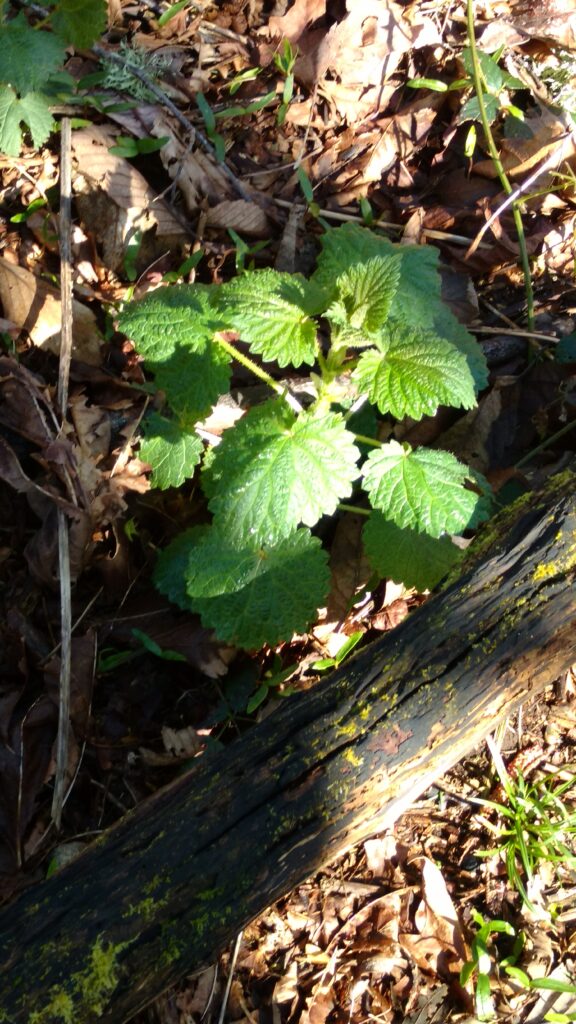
point(306, 120)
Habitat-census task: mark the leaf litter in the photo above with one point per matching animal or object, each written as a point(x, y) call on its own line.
point(384, 933)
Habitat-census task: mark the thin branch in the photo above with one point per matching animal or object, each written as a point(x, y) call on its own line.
point(161, 96)
point(62, 742)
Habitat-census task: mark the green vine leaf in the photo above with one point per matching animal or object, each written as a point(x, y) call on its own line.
point(412, 372)
point(367, 291)
point(421, 489)
point(405, 556)
point(31, 110)
point(80, 22)
point(28, 56)
point(258, 595)
point(272, 313)
point(174, 330)
point(273, 471)
point(171, 450)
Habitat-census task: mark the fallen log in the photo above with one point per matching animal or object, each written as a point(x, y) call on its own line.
point(164, 890)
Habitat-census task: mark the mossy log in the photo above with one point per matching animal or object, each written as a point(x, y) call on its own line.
point(163, 891)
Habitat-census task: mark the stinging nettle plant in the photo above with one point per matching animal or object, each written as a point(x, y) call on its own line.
point(257, 574)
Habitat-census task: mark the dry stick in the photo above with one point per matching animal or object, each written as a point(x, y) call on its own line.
point(442, 236)
point(553, 159)
point(161, 96)
point(63, 540)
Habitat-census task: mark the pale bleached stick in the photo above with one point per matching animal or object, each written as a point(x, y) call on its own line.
point(62, 741)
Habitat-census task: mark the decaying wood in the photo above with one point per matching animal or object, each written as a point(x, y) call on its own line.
point(170, 885)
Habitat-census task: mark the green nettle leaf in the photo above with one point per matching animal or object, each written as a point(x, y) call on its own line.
point(169, 317)
point(272, 313)
point(422, 489)
point(172, 451)
point(405, 556)
point(274, 471)
point(80, 22)
point(31, 110)
point(418, 298)
point(174, 329)
point(368, 290)
point(413, 372)
point(28, 56)
point(277, 593)
point(170, 572)
point(193, 381)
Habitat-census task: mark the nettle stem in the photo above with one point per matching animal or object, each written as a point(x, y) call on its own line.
point(257, 370)
point(362, 439)
point(495, 157)
point(355, 509)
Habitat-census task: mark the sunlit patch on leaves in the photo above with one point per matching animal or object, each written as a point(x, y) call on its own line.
point(422, 489)
point(272, 312)
point(275, 471)
point(31, 111)
point(282, 467)
point(367, 291)
point(411, 373)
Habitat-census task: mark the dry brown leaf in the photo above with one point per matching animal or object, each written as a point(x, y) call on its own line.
point(365, 48)
point(553, 22)
point(246, 218)
point(194, 173)
point(35, 307)
point(115, 201)
point(292, 24)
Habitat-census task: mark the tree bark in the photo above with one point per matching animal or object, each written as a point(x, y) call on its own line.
point(163, 891)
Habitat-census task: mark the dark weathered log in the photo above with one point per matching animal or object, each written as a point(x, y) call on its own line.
point(168, 887)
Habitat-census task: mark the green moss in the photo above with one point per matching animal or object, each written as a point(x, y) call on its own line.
point(86, 992)
point(60, 1007)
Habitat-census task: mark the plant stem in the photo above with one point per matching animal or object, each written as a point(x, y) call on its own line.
point(495, 156)
point(355, 509)
point(249, 364)
point(546, 444)
point(362, 439)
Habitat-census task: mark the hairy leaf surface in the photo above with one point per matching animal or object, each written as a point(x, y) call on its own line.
point(172, 451)
point(272, 313)
point(412, 372)
point(422, 488)
point(405, 556)
point(274, 471)
point(169, 317)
